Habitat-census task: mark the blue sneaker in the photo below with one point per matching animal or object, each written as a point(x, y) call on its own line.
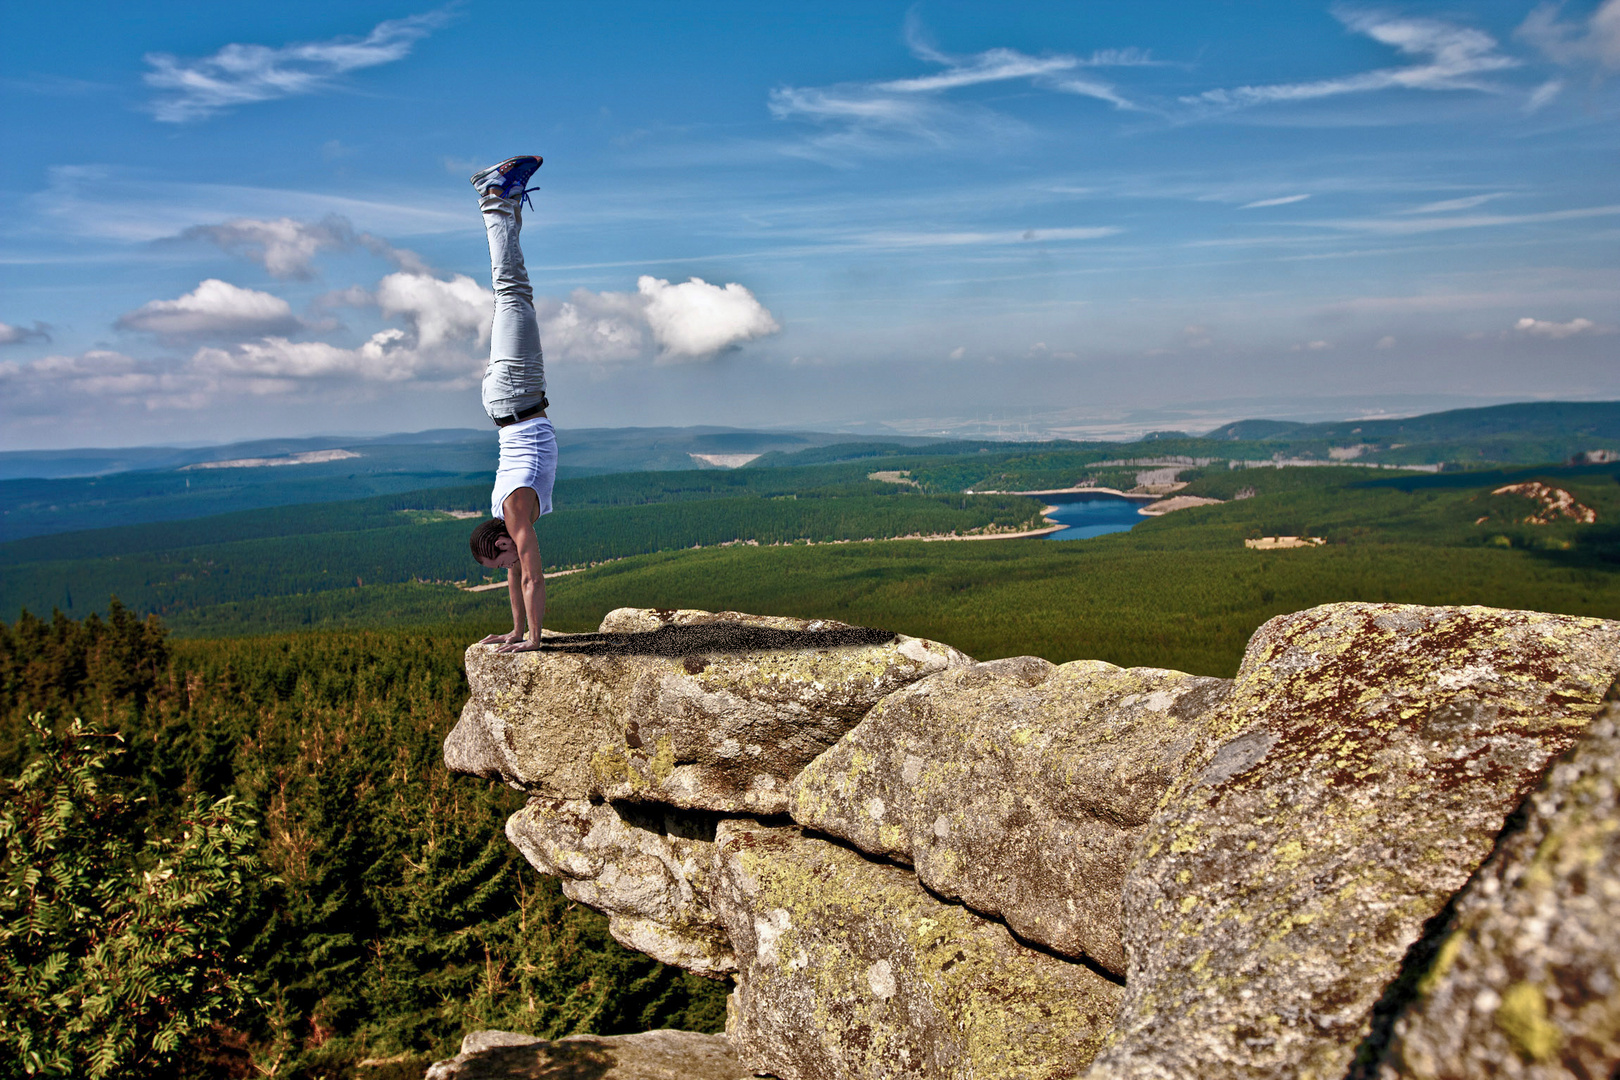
point(509, 176)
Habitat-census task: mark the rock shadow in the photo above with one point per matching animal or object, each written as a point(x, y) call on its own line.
point(718, 637)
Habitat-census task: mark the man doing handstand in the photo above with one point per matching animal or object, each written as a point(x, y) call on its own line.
point(515, 398)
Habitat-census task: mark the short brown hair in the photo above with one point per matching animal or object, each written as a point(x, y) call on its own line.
point(483, 539)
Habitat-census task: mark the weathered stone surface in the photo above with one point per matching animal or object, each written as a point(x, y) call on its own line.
point(1357, 776)
point(646, 867)
point(1015, 786)
point(651, 1055)
point(1526, 983)
point(849, 968)
point(705, 711)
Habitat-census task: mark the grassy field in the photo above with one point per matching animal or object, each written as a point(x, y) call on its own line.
point(1114, 598)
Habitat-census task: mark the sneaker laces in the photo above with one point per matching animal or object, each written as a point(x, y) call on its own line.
point(523, 196)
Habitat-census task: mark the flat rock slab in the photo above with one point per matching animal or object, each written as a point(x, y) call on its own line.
point(646, 867)
point(696, 710)
point(849, 968)
point(1358, 775)
point(651, 1055)
point(1525, 985)
point(1016, 787)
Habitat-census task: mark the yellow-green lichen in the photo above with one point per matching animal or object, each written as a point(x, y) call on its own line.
point(1522, 1017)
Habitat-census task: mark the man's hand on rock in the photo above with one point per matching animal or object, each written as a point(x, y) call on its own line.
point(524, 645)
point(502, 639)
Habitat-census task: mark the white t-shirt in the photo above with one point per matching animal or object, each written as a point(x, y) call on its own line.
point(528, 460)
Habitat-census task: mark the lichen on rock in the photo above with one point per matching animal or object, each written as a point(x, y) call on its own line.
point(692, 709)
point(1525, 984)
point(1016, 787)
point(1357, 776)
point(646, 867)
point(849, 968)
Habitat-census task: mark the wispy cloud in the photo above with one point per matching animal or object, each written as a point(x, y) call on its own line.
point(963, 238)
point(127, 205)
point(1412, 225)
point(1282, 200)
point(195, 89)
point(286, 247)
point(18, 335)
point(1448, 206)
point(1450, 57)
point(1575, 43)
point(914, 104)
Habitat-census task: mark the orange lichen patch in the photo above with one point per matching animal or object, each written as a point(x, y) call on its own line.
point(1555, 503)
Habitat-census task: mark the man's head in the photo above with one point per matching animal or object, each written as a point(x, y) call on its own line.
point(493, 546)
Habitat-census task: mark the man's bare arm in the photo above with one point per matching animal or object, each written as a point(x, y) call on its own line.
point(526, 582)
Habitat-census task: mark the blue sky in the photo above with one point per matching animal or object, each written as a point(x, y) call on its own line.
point(231, 221)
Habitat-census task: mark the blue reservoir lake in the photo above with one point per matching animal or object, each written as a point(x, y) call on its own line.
point(1091, 515)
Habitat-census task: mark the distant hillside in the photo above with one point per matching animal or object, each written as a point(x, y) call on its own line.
point(1533, 420)
point(43, 492)
point(182, 488)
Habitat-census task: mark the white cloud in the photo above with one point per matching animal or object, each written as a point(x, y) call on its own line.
point(689, 321)
point(1385, 342)
point(696, 319)
point(958, 352)
point(195, 89)
point(1558, 330)
point(446, 321)
point(388, 356)
point(1451, 58)
point(438, 311)
point(18, 335)
point(1280, 201)
point(286, 247)
point(213, 309)
point(98, 376)
point(596, 328)
point(1573, 44)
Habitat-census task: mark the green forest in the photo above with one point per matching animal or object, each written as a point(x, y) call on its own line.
point(389, 915)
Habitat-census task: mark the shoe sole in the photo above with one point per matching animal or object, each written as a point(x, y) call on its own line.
point(481, 180)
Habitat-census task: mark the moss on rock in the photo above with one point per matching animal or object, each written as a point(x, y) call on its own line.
point(701, 711)
point(849, 968)
point(1526, 983)
point(1359, 773)
point(1015, 786)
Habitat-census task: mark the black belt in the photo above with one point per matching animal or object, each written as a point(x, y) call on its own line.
point(532, 410)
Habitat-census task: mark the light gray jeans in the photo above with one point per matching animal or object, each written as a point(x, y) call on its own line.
point(515, 378)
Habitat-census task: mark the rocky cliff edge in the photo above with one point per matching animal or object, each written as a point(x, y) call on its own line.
point(1389, 847)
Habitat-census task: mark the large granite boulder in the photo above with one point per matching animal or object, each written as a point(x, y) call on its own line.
point(1525, 981)
point(646, 867)
point(1357, 776)
point(849, 968)
point(1016, 787)
point(697, 710)
point(651, 1055)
